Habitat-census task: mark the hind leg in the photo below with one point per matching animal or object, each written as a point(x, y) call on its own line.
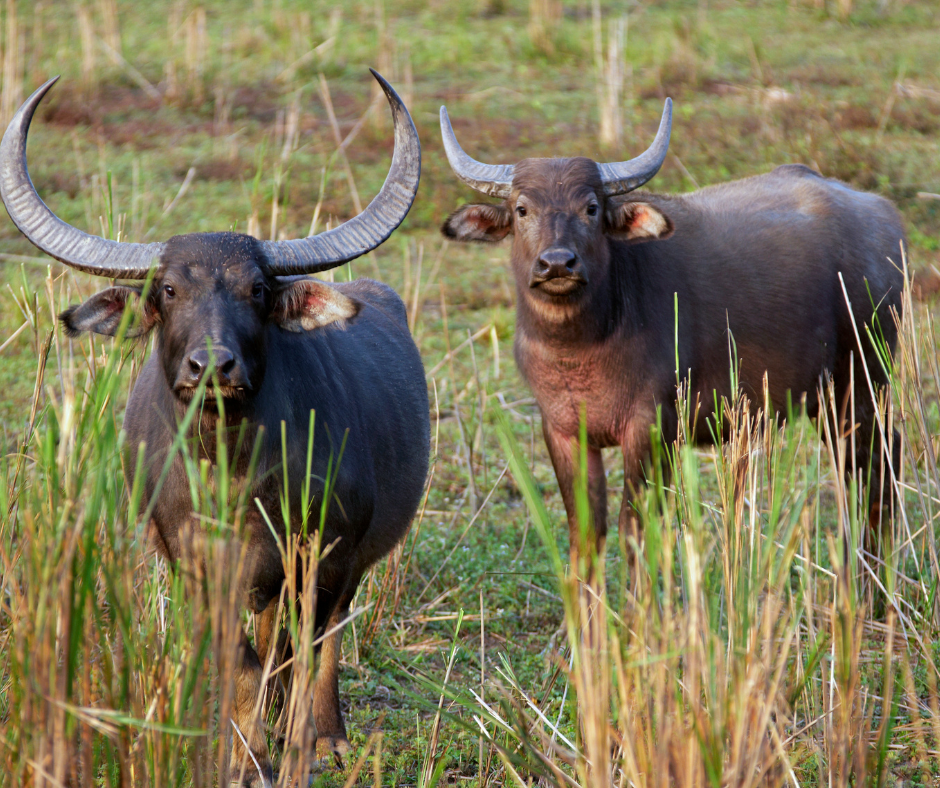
point(331, 729)
point(879, 465)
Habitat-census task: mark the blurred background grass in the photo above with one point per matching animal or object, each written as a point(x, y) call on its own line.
point(184, 117)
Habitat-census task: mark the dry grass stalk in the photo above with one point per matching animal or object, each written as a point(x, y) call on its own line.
point(13, 45)
point(384, 56)
point(110, 28)
point(170, 76)
point(286, 136)
point(296, 719)
point(544, 18)
point(609, 71)
point(86, 32)
point(196, 52)
point(38, 40)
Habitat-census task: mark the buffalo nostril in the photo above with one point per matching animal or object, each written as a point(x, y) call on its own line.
point(196, 367)
point(227, 364)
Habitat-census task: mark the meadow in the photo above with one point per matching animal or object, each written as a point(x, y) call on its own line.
point(764, 640)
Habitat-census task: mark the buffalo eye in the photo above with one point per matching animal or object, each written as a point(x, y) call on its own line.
point(257, 292)
point(168, 292)
point(520, 211)
point(592, 209)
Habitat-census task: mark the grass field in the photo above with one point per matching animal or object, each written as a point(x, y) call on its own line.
point(751, 649)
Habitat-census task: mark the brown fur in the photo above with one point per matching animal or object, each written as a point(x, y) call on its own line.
point(760, 257)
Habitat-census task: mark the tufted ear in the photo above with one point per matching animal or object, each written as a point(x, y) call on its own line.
point(306, 304)
point(637, 221)
point(103, 312)
point(478, 222)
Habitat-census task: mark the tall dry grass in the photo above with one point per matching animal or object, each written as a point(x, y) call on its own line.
point(757, 644)
point(115, 670)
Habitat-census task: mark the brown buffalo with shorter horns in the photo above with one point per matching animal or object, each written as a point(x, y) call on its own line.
point(233, 313)
point(755, 266)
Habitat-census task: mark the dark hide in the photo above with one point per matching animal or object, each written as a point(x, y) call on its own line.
point(596, 281)
point(282, 346)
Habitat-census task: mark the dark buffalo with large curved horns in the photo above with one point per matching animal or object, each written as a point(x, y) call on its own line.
point(234, 314)
point(599, 272)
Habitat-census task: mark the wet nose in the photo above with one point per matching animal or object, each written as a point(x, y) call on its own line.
point(226, 365)
point(554, 262)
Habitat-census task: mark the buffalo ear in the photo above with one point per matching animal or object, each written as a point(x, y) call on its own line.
point(103, 312)
point(478, 222)
point(638, 221)
point(306, 304)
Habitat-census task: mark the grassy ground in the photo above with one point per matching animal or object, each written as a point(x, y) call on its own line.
point(749, 651)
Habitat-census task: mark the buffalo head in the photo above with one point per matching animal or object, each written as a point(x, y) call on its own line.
point(212, 301)
point(561, 213)
point(212, 295)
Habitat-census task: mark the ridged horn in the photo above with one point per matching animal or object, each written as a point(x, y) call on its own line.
point(625, 176)
point(492, 179)
point(47, 231)
point(375, 224)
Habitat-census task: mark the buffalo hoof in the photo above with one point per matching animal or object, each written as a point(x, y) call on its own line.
point(260, 776)
point(255, 780)
point(337, 746)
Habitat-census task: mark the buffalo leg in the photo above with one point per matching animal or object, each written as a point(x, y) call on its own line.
point(563, 450)
point(871, 459)
point(331, 730)
point(628, 524)
point(248, 674)
point(267, 637)
point(636, 447)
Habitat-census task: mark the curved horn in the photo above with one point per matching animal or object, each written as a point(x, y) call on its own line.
point(375, 224)
point(492, 179)
point(625, 176)
point(46, 230)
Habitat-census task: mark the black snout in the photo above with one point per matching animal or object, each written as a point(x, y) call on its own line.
point(227, 368)
point(561, 266)
point(556, 262)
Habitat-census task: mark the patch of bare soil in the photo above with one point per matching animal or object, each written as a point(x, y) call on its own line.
point(119, 114)
point(223, 170)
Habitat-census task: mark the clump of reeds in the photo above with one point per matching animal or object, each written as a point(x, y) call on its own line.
point(116, 670)
point(763, 639)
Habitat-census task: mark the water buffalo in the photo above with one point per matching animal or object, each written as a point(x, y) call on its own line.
point(599, 274)
point(278, 345)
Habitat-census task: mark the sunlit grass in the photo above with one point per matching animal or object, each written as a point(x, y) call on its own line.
point(758, 643)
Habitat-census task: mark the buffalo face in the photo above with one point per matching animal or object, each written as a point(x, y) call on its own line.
point(213, 300)
point(213, 304)
point(561, 220)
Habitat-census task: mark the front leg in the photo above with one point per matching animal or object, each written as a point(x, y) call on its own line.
point(254, 763)
point(630, 528)
point(587, 540)
point(636, 444)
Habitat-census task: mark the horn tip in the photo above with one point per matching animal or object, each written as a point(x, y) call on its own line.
point(380, 79)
